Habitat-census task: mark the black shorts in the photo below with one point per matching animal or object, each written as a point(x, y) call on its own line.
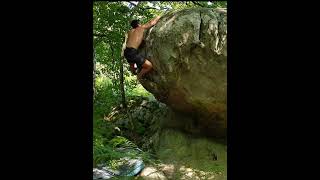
point(132, 55)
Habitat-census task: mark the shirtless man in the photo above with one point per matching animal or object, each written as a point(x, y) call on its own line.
point(135, 37)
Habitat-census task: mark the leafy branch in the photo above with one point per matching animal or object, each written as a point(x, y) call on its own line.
point(197, 3)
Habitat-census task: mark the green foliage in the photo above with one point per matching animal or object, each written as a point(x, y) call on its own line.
point(105, 137)
point(120, 141)
point(102, 152)
point(105, 97)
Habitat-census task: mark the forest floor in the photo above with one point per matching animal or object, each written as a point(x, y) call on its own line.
point(168, 154)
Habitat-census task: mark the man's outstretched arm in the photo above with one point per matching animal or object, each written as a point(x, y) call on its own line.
point(151, 23)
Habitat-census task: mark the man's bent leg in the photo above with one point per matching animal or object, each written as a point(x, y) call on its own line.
point(146, 67)
point(132, 69)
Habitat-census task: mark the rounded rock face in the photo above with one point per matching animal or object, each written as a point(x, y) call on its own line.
point(188, 50)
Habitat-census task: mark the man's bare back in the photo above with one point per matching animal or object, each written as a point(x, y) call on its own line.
point(135, 37)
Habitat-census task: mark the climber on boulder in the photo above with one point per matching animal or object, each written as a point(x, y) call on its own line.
point(135, 37)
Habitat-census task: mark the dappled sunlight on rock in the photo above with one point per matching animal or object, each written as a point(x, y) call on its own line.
point(167, 23)
point(177, 171)
point(152, 173)
point(186, 157)
point(188, 49)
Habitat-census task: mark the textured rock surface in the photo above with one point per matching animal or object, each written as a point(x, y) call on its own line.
point(182, 155)
point(188, 50)
point(187, 157)
point(152, 173)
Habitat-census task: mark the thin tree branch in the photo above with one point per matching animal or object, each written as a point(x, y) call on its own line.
point(124, 44)
point(99, 35)
point(131, 3)
point(134, 9)
point(137, 6)
point(196, 3)
point(149, 8)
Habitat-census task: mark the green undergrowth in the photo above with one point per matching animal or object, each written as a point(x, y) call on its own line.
point(113, 128)
point(138, 127)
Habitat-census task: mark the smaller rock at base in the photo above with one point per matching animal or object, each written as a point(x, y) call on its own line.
point(100, 174)
point(152, 173)
point(168, 170)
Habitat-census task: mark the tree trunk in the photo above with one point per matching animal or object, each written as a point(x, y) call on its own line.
point(122, 62)
point(94, 72)
point(123, 95)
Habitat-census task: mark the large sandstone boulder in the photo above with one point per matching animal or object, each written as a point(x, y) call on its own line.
point(188, 50)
